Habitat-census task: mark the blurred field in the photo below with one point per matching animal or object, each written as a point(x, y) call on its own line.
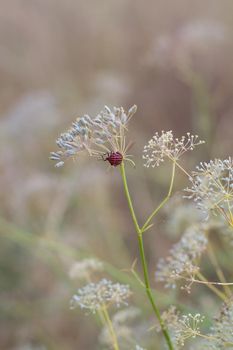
point(60, 59)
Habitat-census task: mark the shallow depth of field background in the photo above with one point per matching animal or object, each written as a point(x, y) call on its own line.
point(61, 59)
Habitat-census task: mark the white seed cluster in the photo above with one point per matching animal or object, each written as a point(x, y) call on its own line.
point(96, 136)
point(212, 187)
point(165, 146)
point(83, 269)
point(182, 327)
point(95, 296)
point(182, 262)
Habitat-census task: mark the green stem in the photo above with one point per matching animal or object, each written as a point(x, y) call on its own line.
point(143, 259)
point(144, 227)
point(110, 328)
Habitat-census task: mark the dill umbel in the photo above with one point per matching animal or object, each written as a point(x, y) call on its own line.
point(98, 136)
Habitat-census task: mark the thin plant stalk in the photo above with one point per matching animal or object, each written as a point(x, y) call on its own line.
point(210, 337)
point(144, 227)
point(205, 281)
point(143, 259)
point(182, 169)
point(110, 328)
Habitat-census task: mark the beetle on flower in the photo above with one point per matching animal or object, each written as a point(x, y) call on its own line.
point(102, 137)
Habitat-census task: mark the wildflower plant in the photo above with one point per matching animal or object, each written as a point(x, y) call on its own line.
point(104, 137)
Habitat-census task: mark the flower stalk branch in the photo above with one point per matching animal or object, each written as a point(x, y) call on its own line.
point(143, 259)
point(164, 201)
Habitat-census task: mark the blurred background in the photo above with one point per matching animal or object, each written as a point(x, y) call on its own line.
point(59, 60)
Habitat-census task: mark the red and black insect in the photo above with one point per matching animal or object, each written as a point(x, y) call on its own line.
point(114, 158)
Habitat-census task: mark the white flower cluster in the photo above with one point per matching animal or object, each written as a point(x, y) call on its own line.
point(83, 269)
point(182, 327)
point(212, 187)
point(96, 136)
point(95, 296)
point(165, 146)
point(182, 262)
